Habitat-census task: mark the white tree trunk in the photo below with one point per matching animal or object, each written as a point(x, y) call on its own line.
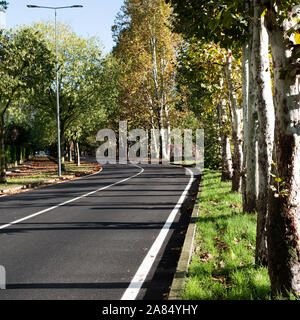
point(245, 83)
point(70, 151)
point(77, 154)
point(266, 122)
point(236, 127)
point(284, 210)
point(168, 151)
point(225, 141)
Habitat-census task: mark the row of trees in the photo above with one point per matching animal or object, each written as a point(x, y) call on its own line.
point(229, 66)
point(87, 85)
point(147, 53)
point(263, 106)
point(25, 66)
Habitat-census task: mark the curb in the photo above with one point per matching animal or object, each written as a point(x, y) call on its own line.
point(182, 269)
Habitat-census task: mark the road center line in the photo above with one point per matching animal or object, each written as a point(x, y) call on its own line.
point(71, 200)
point(140, 276)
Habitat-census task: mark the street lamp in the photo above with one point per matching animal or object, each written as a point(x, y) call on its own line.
point(57, 80)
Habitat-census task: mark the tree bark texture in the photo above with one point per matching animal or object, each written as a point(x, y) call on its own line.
point(2, 151)
point(251, 168)
point(245, 83)
point(266, 123)
point(225, 142)
point(236, 128)
point(284, 203)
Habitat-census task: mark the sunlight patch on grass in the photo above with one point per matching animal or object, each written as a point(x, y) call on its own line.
point(223, 265)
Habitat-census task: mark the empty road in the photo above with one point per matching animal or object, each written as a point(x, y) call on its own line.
point(100, 237)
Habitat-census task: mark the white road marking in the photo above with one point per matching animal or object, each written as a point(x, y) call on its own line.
point(72, 200)
point(140, 276)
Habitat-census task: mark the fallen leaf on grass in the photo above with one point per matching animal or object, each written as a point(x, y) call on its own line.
point(205, 257)
point(198, 249)
point(235, 240)
point(250, 246)
point(219, 279)
point(221, 245)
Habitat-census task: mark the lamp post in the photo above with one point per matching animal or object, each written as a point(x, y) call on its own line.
point(57, 79)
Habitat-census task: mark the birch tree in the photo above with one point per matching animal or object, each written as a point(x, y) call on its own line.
point(147, 49)
point(236, 116)
point(251, 137)
point(245, 83)
point(266, 123)
point(219, 22)
point(202, 80)
point(282, 22)
point(225, 139)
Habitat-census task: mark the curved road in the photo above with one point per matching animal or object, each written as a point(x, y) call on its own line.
point(98, 237)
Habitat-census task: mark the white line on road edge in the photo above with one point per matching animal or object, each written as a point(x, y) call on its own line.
point(72, 200)
point(140, 276)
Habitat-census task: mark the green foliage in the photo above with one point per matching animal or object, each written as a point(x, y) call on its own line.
point(147, 52)
point(25, 65)
point(200, 74)
point(15, 153)
point(82, 84)
point(11, 154)
point(222, 21)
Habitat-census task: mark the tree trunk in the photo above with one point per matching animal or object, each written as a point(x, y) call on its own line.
point(225, 142)
point(2, 151)
point(77, 154)
point(266, 122)
point(236, 128)
point(245, 83)
point(62, 151)
point(284, 203)
point(168, 151)
point(251, 168)
point(70, 151)
point(155, 147)
point(163, 137)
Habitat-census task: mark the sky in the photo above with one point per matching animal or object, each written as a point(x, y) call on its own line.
point(94, 19)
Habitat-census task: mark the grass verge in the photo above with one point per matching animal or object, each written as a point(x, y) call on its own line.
point(26, 179)
point(223, 265)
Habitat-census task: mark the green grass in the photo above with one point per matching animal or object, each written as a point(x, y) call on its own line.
point(13, 182)
point(223, 266)
point(84, 167)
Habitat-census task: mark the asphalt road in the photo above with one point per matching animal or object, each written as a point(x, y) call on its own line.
point(87, 239)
